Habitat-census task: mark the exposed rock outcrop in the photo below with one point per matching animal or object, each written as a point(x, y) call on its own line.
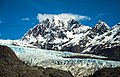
point(107, 72)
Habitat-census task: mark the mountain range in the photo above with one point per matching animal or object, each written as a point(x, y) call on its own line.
point(70, 35)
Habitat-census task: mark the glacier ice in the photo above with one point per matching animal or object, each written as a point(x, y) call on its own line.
point(49, 58)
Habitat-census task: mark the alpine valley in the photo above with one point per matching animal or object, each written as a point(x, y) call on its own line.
point(70, 46)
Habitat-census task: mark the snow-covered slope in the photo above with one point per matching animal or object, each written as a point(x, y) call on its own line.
point(70, 35)
point(108, 39)
point(53, 34)
point(79, 67)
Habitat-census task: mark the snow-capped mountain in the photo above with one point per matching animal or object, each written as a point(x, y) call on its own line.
point(53, 34)
point(70, 35)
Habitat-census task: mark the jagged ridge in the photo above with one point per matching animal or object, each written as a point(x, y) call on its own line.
point(70, 35)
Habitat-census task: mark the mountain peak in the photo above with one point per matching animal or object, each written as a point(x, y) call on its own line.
point(102, 24)
point(116, 26)
point(57, 21)
point(100, 28)
point(55, 17)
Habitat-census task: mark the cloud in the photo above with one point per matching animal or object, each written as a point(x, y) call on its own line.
point(25, 19)
point(33, 23)
point(0, 21)
point(101, 14)
point(63, 16)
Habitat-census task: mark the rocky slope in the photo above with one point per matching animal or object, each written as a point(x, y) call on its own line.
point(11, 66)
point(107, 72)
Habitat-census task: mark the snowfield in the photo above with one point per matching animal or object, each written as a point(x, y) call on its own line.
point(49, 58)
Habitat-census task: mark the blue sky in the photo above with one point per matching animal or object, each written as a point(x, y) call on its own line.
point(17, 16)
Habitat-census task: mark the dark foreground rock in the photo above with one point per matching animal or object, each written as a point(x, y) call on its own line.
point(11, 66)
point(107, 72)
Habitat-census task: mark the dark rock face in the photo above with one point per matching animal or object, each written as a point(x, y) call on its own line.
point(113, 53)
point(7, 56)
point(75, 49)
point(100, 28)
point(11, 66)
point(107, 72)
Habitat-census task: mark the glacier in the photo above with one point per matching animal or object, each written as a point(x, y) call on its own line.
point(78, 67)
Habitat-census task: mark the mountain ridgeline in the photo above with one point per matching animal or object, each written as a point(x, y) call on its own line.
point(70, 35)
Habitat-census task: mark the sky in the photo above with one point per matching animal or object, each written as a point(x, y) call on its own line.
point(18, 16)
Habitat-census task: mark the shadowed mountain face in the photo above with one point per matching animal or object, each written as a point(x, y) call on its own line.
point(112, 53)
point(11, 66)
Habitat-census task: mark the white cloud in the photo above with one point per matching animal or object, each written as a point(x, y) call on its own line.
point(25, 19)
point(33, 23)
point(101, 14)
point(0, 21)
point(63, 16)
